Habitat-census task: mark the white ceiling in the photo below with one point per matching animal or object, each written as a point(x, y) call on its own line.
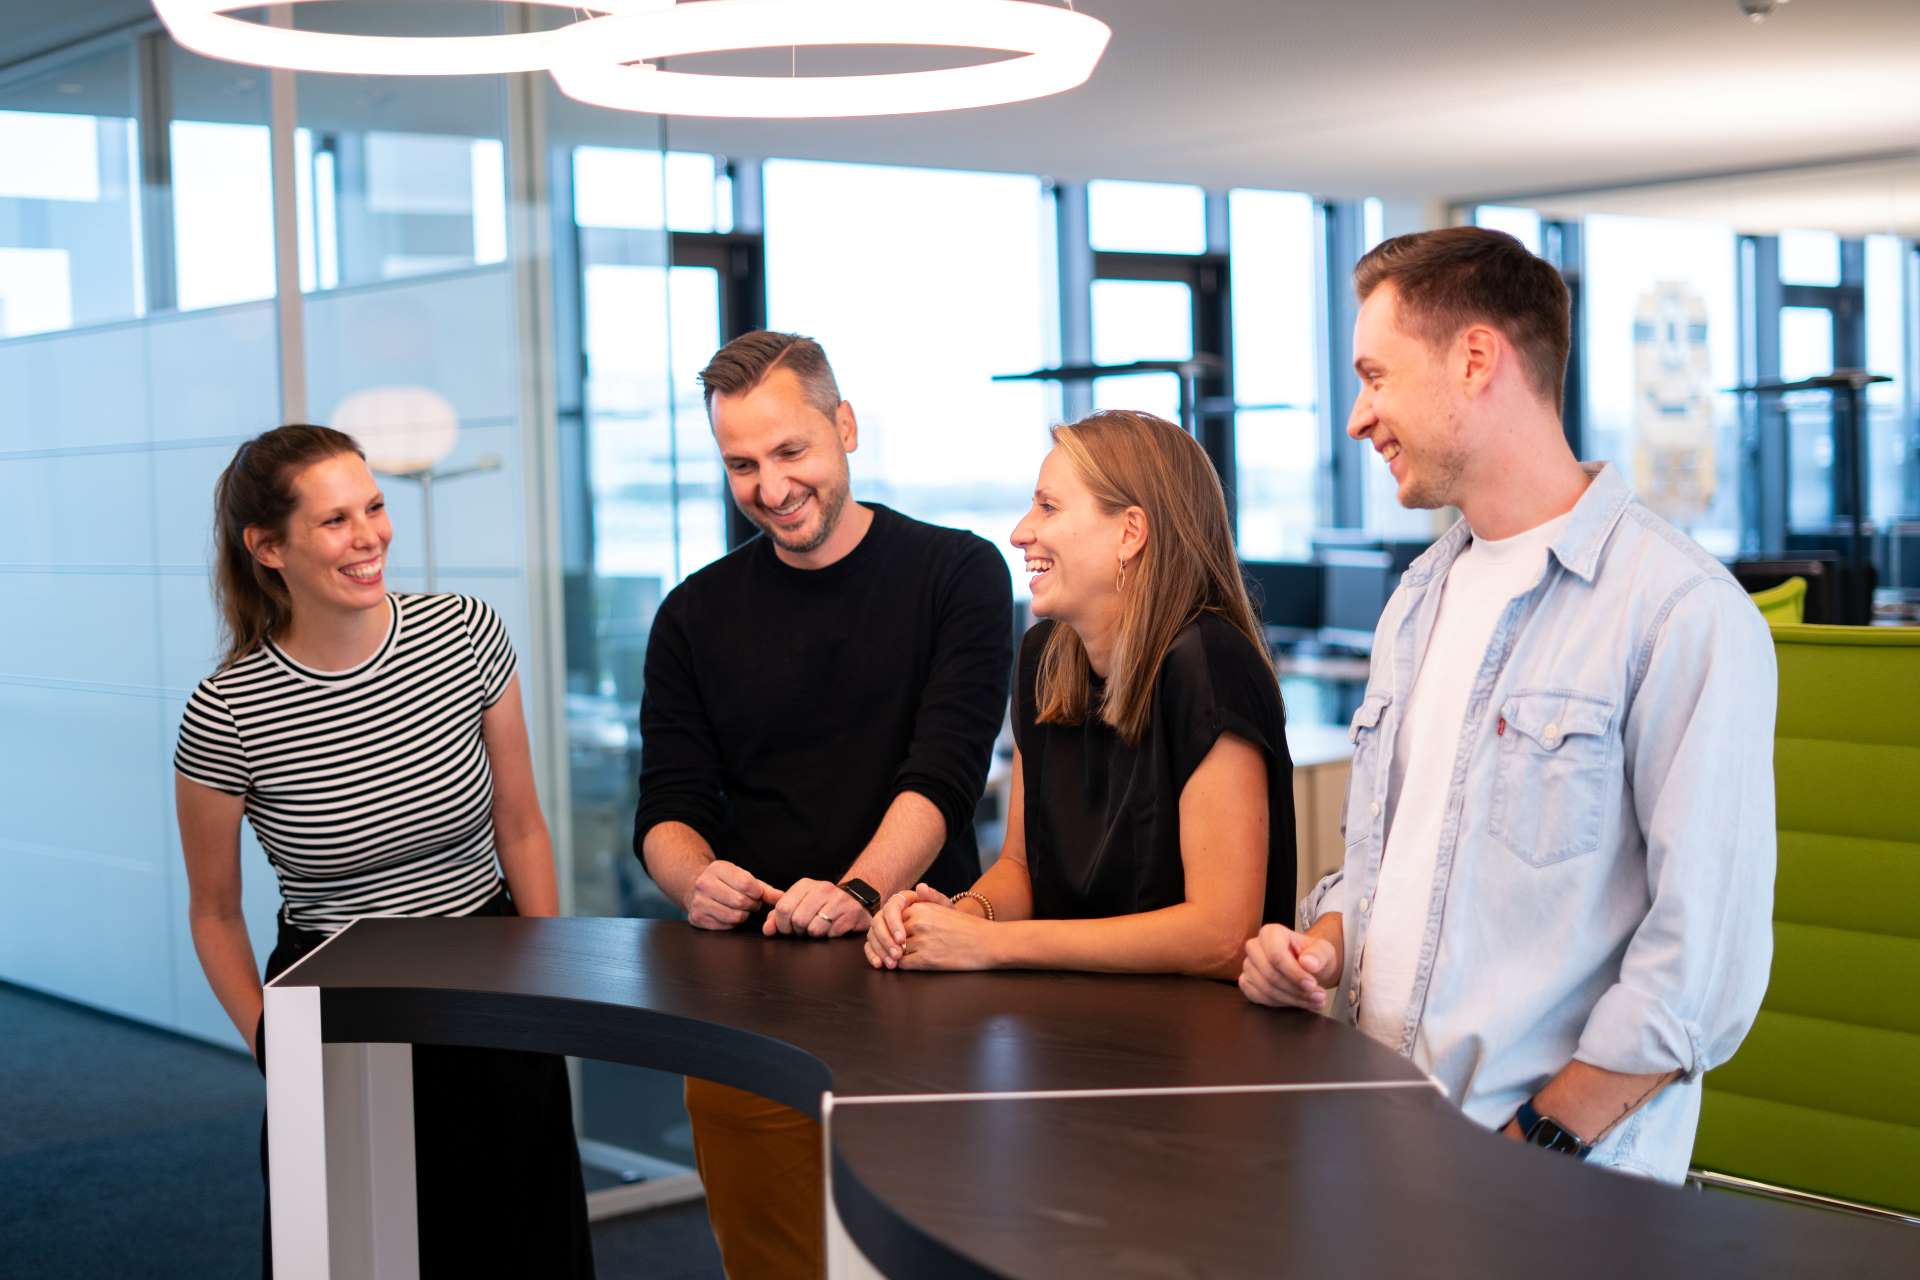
point(1428, 98)
point(1434, 100)
point(1858, 199)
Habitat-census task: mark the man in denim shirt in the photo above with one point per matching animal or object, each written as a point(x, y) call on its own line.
point(1558, 886)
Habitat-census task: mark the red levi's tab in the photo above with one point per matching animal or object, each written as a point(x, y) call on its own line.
point(1500, 730)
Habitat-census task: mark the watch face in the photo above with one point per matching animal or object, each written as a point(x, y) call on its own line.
point(1559, 1139)
point(1547, 1133)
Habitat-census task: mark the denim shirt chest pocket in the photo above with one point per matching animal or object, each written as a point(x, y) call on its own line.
point(1556, 766)
point(1364, 734)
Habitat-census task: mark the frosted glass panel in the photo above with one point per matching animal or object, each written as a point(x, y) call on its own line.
point(91, 930)
point(88, 509)
point(58, 394)
point(214, 375)
point(452, 335)
point(81, 773)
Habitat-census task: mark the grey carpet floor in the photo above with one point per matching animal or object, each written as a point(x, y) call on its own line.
point(127, 1151)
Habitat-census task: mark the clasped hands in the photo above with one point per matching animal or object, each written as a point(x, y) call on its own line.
point(922, 929)
point(1286, 967)
point(725, 894)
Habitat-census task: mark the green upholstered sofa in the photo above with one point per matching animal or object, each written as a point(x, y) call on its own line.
point(1784, 605)
point(1824, 1095)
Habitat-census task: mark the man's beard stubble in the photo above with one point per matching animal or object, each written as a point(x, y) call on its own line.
point(832, 504)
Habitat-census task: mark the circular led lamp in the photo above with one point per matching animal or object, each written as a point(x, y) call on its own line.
point(1058, 49)
point(204, 27)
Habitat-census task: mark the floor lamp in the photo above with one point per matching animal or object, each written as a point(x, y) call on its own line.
point(407, 433)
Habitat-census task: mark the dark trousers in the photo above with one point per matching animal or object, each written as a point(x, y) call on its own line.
point(497, 1171)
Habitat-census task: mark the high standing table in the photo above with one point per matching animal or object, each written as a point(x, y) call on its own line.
point(1000, 1124)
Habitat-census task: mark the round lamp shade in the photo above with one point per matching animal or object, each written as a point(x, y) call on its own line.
point(403, 429)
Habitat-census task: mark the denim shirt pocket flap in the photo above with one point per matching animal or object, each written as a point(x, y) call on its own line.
point(1553, 774)
point(1551, 716)
point(1368, 716)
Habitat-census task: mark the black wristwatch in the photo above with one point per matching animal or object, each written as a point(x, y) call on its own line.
point(863, 893)
point(1545, 1131)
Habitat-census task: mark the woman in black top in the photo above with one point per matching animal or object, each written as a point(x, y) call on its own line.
point(375, 743)
point(1150, 828)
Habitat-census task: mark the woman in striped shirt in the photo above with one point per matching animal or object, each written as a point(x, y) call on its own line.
point(376, 743)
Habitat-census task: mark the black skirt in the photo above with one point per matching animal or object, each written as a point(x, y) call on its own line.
point(497, 1172)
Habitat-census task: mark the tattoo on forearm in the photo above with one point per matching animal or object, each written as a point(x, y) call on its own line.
point(1637, 1103)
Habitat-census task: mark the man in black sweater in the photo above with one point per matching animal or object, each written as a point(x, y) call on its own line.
point(820, 706)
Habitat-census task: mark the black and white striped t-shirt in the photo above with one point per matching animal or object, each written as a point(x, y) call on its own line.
point(369, 788)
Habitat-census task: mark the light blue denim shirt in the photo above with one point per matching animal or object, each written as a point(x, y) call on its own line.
point(1604, 884)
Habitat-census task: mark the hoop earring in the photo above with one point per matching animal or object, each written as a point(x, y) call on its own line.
point(1120, 578)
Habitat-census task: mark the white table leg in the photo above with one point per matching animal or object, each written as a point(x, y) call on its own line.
point(844, 1259)
point(339, 1149)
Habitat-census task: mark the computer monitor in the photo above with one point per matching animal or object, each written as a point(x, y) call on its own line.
point(1357, 585)
point(1821, 570)
point(1287, 593)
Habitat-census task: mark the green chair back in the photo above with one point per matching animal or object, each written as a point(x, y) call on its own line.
point(1784, 605)
point(1824, 1095)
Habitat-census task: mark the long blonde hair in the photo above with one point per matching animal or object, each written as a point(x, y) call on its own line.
point(1187, 567)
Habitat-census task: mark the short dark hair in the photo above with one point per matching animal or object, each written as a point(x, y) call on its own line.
point(744, 364)
point(1457, 276)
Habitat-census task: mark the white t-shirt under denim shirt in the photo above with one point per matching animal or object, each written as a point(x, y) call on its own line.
point(1487, 575)
point(1602, 880)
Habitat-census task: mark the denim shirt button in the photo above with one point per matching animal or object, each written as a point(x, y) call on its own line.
point(1373, 808)
point(1551, 735)
point(1365, 905)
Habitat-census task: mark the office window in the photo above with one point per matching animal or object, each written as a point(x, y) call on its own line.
point(1890, 315)
point(1373, 222)
point(638, 190)
point(922, 285)
point(1809, 257)
point(659, 492)
point(222, 190)
point(1141, 320)
point(1276, 355)
point(70, 251)
point(1522, 224)
point(1806, 351)
point(1662, 345)
point(222, 213)
point(1146, 217)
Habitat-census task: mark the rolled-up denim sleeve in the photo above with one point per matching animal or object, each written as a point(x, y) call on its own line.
point(1328, 895)
point(1699, 762)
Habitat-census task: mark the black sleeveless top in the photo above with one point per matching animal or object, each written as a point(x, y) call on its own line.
point(1103, 818)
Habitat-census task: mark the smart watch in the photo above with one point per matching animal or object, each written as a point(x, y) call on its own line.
point(1545, 1131)
point(863, 893)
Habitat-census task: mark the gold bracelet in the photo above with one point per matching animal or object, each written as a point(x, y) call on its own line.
point(980, 898)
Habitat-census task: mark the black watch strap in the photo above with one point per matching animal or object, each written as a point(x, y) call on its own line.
point(863, 893)
point(1545, 1131)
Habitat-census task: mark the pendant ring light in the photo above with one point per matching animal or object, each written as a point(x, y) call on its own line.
point(204, 27)
point(1057, 50)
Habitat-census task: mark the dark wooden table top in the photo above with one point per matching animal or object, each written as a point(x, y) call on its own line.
point(1381, 1179)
